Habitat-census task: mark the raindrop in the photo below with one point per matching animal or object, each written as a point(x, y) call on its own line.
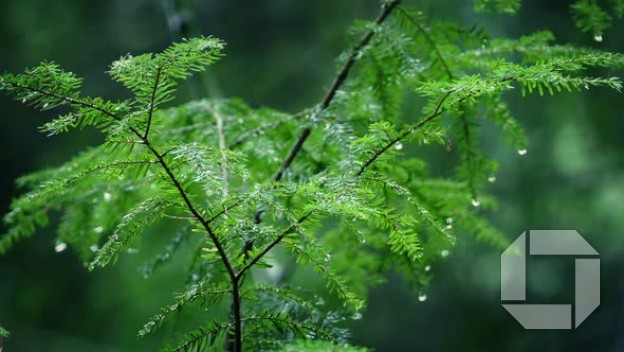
point(60, 247)
point(398, 146)
point(492, 179)
point(107, 196)
point(522, 151)
point(476, 203)
point(449, 227)
point(428, 268)
point(45, 106)
point(356, 316)
point(98, 229)
point(94, 248)
point(598, 38)
point(362, 240)
point(449, 220)
point(422, 297)
point(445, 253)
point(328, 257)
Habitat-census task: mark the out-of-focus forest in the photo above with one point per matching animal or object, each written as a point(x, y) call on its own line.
point(282, 54)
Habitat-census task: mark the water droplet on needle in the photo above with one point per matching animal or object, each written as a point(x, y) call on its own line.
point(60, 247)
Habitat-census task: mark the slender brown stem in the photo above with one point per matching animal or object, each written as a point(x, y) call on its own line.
point(437, 112)
point(273, 243)
point(150, 112)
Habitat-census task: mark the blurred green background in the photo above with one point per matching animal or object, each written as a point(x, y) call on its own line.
point(282, 53)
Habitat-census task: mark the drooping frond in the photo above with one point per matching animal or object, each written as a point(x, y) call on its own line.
point(132, 225)
point(47, 86)
point(315, 346)
point(202, 294)
point(201, 338)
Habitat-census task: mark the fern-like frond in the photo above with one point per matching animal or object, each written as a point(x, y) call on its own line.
point(203, 294)
point(201, 338)
point(152, 78)
point(131, 225)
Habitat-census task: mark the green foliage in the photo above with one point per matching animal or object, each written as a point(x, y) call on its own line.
point(319, 346)
point(594, 17)
point(256, 191)
point(509, 7)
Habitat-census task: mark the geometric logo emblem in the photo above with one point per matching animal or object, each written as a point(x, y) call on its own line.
point(586, 285)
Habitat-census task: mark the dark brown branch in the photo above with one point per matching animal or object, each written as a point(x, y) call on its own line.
point(337, 83)
point(325, 103)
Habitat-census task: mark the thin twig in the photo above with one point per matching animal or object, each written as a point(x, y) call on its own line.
point(273, 243)
point(222, 148)
point(437, 112)
point(463, 119)
point(153, 99)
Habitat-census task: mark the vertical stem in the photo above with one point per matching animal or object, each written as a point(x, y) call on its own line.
point(222, 148)
point(238, 323)
point(234, 336)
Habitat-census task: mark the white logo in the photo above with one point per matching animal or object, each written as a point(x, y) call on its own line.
point(586, 287)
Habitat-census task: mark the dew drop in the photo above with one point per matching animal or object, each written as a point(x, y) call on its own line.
point(98, 229)
point(328, 257)
point(107, 196)
point(445, 253)
point(94, 248)
point(398, 146)
point(598, 38)
point(449, 227)
point(422, 297)
point(475, 203)
point(428, 268)
point(522, 151)
point(60, 247)
point(492, 179)
point(449, 220)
